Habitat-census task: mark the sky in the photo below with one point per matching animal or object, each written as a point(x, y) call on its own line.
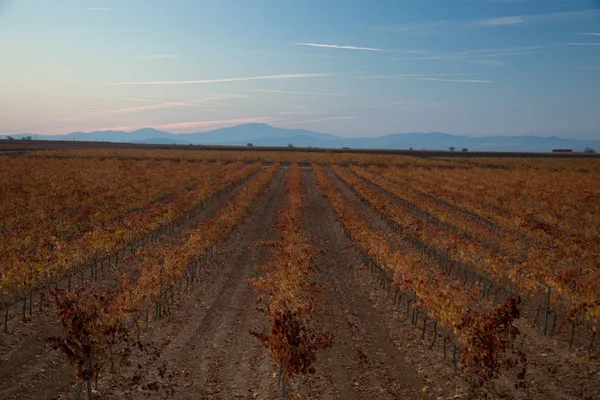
point(347, 67)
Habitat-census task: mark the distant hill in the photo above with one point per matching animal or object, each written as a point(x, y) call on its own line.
point(267, 135)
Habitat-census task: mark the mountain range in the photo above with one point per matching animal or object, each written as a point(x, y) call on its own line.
point(267, 135)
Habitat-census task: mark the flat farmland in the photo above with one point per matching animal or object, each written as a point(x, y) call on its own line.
point(130, 273)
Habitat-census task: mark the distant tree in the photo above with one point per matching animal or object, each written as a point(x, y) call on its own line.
point(411, 149)
point(290, 145)
point(249, 144)
point(10, 138)
point(589, 150)
point(451, 148)
point(465, 149)
point(27, 138)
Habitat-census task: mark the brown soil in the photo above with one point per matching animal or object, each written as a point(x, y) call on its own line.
point(554, 371)
point(202, 349)
point(27, 360)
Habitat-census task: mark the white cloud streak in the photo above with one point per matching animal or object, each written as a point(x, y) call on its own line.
point(131, 110)
point(293, 113)
point(490, 63)
point(414, 76)
point(225, 80)
point(503, 21)
point(206, 104)
point(539, 18)
point(450, 80)
point(496, 1)
point(189, 127)
point(585, 44)
point(589, 33)
point(214, 123)
point(160, 57)
point(436, 27)
point(103, 9)
point(407, 105)
point(190, 103)
point(472, 54)
point(427, 77)
point(316, 120)
point(307, 93)
point(335, 46)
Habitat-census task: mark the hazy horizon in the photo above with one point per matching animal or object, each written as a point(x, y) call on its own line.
point(348, 68)
point(274, 125)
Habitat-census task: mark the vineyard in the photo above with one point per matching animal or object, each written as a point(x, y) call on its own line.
point(206, 274)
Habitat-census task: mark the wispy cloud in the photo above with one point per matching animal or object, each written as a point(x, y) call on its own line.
point(441, 26)
point(503, 21)
point(589, 33)
point(306, 121)
point(205, 104)
point(539, 18)
point(335, 46)
point(450, 80)
point(130, 110)
point(307, 93)
point(101, 9)
point(294, 113)
point(427, 77)
point(214, 124)
point(177, 102)
point(405, 104)
point(160, 57)
point(490, 63)
point(471, 54)
point(496, 1)
point(189, 127)
point(585, 44)
point(406, 76)
point(207, 81)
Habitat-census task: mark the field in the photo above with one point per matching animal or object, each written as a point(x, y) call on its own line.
point(130, 273)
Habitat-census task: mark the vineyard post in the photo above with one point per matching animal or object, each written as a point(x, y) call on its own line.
point(454, 358)
point(446, 259)
point(435, 333)
point(89, 388)
point(24, 308)
point(95, 274)
point(591, 346)
point(6, 318)
point(547, 311)
point(554, 322)
point(572, 339)
point(484, 286)
point(31, 295)
point(30, 302)
point(79, 390)
point(282, 383)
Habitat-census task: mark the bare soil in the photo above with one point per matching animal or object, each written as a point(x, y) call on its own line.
point(203, 349)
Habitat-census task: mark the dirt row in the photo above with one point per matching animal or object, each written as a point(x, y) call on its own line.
point(203, 348)
point(554, 371)
point(28, 367)
point(206, 350)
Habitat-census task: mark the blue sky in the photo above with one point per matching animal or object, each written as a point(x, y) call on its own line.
point(351, 68)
